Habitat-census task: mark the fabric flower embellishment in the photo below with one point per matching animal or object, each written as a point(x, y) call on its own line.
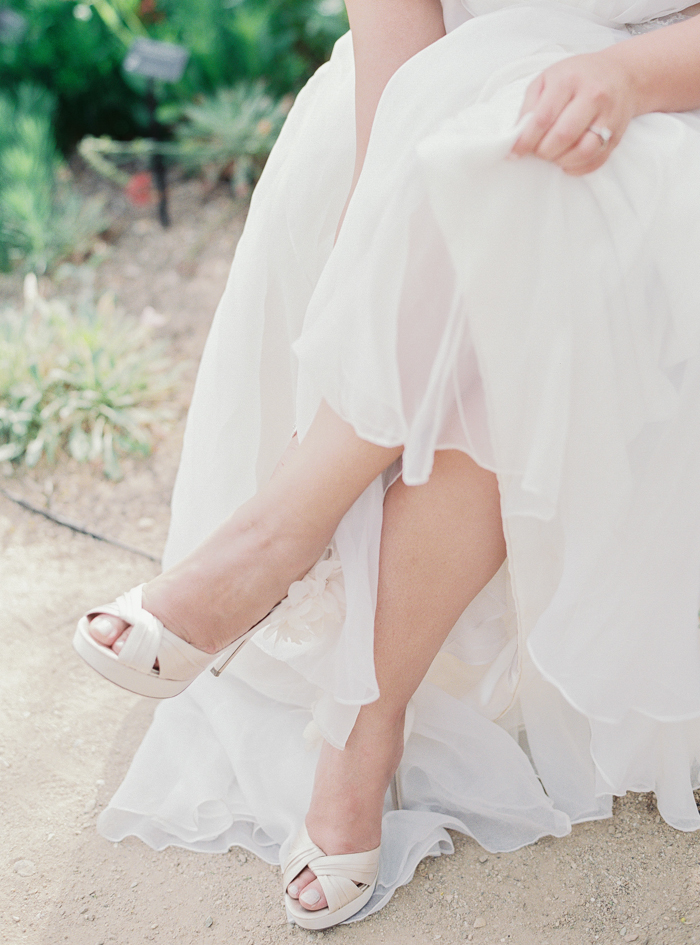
point(313, 606)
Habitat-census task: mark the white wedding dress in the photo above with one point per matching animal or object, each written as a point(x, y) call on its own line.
point(547, 325)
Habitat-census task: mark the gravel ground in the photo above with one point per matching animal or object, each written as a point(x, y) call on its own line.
point(66, 736)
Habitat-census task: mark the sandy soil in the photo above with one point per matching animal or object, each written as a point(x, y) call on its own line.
point(66, 736)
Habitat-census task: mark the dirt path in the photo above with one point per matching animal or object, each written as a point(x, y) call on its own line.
point(66, 737)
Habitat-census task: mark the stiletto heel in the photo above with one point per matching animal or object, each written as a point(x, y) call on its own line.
point(179, 663)
point(395, 788)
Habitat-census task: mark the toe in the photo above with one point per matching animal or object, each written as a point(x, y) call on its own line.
point(300, 882)
point(108, 630)
point(311, 897)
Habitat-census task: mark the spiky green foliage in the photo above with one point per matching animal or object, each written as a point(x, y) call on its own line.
point(42, 218)
point(89, 382)
point(233, 132)
point(228, 134)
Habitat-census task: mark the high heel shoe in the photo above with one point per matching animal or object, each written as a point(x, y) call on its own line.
point(149, 643)
point(155, 662)
point(347, 881)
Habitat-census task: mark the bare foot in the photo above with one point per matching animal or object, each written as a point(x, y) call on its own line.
point(346, 809)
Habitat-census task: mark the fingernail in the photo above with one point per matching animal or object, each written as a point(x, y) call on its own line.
point(118, 644)
point(310, 896)
point(103, 626)
point(293, 891)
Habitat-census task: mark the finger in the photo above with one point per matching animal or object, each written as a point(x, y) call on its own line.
point(588, 154)
point(550, 104)
point(534, 90)
point(569, 130)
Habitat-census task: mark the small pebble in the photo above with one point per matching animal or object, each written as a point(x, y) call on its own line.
point(208, 921)
point(24, 867)
point(483, 859)
point(242, 858)
point(632, 937)
point(479, 923)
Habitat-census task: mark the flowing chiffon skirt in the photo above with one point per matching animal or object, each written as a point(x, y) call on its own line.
point(546, 325)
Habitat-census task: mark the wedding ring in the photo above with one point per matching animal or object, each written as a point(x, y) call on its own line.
point(605, 134)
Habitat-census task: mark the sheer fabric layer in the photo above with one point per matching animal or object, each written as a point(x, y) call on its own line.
point(547, 326)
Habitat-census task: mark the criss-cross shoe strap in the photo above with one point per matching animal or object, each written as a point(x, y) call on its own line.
point(338, 876)
point(342, 876)
point(141, 648)
point(149, 641)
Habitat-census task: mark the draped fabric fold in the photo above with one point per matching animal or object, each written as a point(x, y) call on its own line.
point(547, 326)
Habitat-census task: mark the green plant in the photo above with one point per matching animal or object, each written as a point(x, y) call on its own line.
point(296, 38)
point(232, 133)
point(70, 50)
point(229, 135)
point(42, 218)
point(88, 382)
point(76, 50)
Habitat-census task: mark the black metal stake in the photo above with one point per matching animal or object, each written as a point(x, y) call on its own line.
point(166, 62)
point(157, 161)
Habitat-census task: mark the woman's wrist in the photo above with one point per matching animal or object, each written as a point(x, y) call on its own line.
point(660, 70)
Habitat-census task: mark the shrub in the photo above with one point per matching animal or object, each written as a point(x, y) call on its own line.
point(70, 51)
point(42, 218)
point(232, 133)
point(76, 51)
point(227, 135)
point(88, 382)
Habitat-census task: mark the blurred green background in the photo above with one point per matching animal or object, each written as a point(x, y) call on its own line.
point(77, 146)
point(63, 88)
point(75, 51)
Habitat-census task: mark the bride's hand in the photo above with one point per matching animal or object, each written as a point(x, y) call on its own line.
point(566, 100)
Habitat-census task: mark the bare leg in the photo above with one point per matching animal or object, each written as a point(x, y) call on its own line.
point(246, 566)
point(441, 543)
point(238, 574)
